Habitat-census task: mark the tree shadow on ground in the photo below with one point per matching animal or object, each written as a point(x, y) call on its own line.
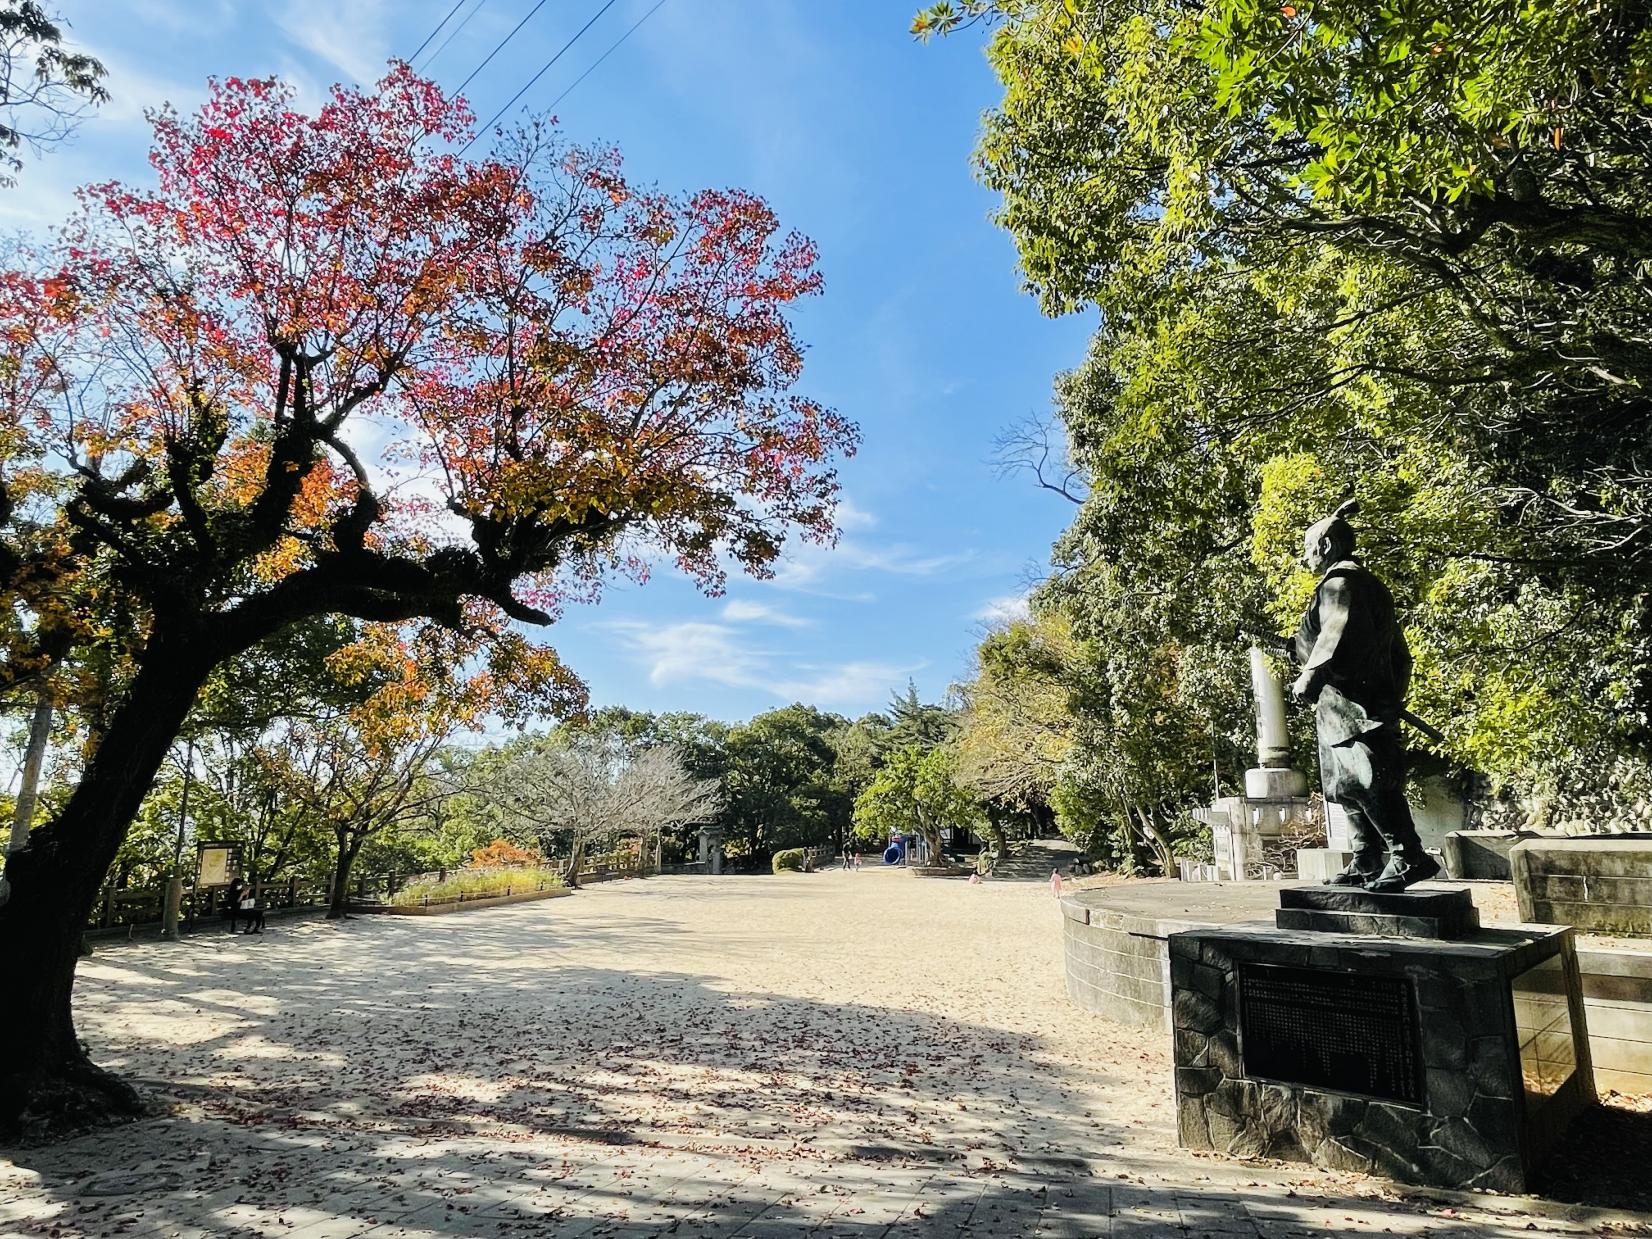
point(495, 1090)
point(1603, 1160)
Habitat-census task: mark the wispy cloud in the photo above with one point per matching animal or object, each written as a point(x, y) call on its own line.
point(692, 650)
point(742, 611)
point(699, 652)
point(196, 17)
point(807, 564)
point(862, 685)
point(849, 516)
point(347, 34)
point(133, 90)
point(1005, 609)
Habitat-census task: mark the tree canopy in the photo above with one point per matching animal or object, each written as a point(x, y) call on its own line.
point(1352, 248)
point(567, 376)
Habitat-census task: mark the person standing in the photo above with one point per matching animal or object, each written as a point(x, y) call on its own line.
point(252, 911)
point(232, 902)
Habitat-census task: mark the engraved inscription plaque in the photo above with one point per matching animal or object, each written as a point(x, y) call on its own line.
point(1331, 1030)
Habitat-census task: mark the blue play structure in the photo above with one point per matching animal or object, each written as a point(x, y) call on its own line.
point(893, 853)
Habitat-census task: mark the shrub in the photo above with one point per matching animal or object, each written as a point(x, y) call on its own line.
point(477, 884)
point(499, 854)
point(789, 860)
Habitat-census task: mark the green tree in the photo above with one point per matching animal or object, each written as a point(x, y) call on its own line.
point(1017, 727)
point(913, 722)
point(916, 790)
point(780, 783)
point(1351, 246)
point(858, 750)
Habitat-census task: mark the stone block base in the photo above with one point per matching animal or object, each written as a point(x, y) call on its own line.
point(1481, 855)
point(1403, 914)
point(1617, 996)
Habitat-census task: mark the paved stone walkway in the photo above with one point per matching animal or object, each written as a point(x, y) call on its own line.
point(864, 1054)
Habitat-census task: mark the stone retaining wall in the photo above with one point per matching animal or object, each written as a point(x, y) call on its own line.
point(1599, 884)
point(1617, 996)
point(1114, 970)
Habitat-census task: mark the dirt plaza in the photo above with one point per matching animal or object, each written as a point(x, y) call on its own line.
point(837, 1053)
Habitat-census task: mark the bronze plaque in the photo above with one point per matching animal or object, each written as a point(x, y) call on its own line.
point(1332, 1030)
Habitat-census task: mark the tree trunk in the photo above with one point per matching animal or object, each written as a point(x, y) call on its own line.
point(47, 1083)
point(40, 732)
point(997, 844)
point(338, 905)
point(576, 857)
point(1161, 846)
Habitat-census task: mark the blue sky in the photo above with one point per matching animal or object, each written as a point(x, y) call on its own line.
point(860, 138)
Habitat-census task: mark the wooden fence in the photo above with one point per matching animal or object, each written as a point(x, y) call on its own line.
point(122, 911)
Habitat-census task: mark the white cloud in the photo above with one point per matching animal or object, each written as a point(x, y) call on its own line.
point(807, 563)
point(1005, 609)
point(741, 611)
point(695, 651)
point(851, 517)
point(134, 90)
point(347, 34)
point(45, 193)
point(855, 684)
point(195, 18)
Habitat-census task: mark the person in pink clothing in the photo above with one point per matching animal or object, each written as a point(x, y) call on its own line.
point(1055, 882)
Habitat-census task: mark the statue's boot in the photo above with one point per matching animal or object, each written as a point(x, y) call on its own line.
point(1401, 872)
point(1355, 874)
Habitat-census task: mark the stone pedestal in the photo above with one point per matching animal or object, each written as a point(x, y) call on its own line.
point(1243, 827)
point(1452, 1062)
point(1275, 784)
point(1318, 864)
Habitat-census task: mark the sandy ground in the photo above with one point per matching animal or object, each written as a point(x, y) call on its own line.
point(837, 1053)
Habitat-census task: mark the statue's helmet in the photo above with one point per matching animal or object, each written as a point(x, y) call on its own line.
point(1334, 527)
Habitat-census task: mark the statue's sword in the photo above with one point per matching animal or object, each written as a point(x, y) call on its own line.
point(1287, 647)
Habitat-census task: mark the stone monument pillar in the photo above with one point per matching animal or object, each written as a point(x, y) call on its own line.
point(711, 848)
point(1275, 794)
point(1273, 744)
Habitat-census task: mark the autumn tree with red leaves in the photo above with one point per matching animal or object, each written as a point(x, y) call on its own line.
point(325, 366)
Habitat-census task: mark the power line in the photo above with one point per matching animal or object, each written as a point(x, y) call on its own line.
point(453, 34)
point(457, 4)
point(501, 46)
point(543, 69)
point(612, 48)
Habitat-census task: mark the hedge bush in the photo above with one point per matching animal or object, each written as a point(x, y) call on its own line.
point(477, 884)
point(789, 860)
